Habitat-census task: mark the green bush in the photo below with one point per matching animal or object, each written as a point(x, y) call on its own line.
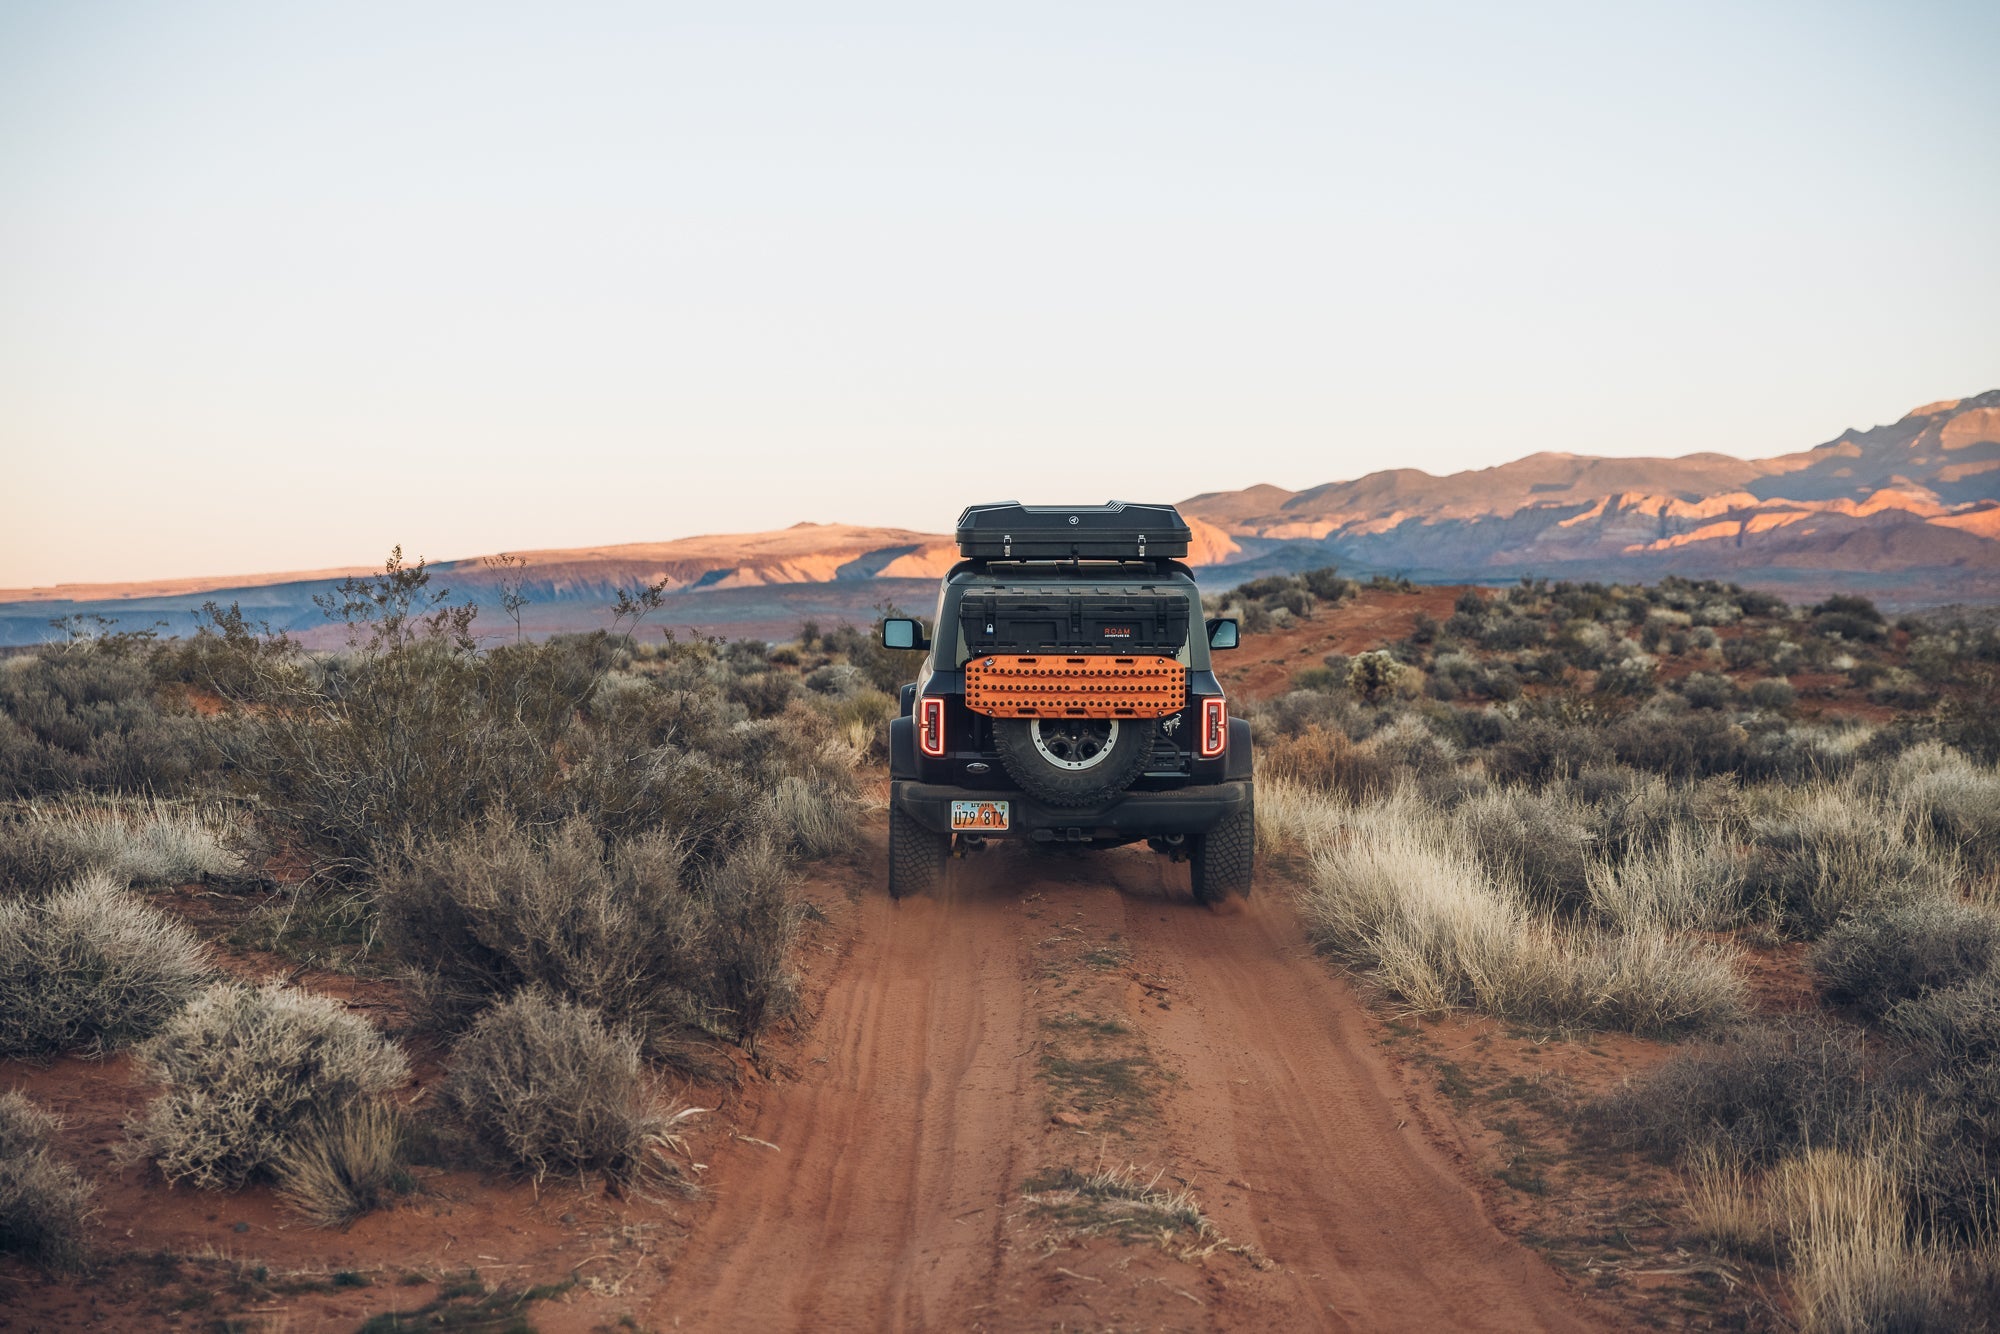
point(89, 969)
point(245, 1073)
point(46, 1205)
point(547, 1085)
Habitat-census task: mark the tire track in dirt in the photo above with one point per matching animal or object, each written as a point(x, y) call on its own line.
point(1282, 1090)
point(913, 1116)
point(898, 1144)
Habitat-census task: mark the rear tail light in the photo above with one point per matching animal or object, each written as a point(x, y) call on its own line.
point(1214, 727)
point(930, 725)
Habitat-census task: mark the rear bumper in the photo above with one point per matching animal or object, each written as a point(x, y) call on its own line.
point(1184, 810)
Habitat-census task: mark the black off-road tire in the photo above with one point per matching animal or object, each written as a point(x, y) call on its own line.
point(1222, 861)
point(1128, 753)
point(916, 855)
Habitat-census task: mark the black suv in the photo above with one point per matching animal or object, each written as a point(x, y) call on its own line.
point(1067, 698)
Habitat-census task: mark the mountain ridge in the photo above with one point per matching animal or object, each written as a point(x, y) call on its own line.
point(1908, 511)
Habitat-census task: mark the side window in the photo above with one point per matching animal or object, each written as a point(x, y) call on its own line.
point(1197, 644)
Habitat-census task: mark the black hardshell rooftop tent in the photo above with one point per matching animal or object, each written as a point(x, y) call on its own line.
point(1111, 531)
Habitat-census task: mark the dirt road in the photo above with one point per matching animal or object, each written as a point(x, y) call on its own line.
point(1044, 1012)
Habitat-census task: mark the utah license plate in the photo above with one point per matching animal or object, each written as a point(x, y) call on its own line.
point(979, 815)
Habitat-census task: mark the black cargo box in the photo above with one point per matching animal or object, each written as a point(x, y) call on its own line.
point(1139, 621)
point(1113, 531)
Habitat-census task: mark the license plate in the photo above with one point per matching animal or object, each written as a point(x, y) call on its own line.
point(979, 815)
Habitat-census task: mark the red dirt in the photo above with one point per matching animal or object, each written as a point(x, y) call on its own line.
point(892, 1199)
point(1372, 619)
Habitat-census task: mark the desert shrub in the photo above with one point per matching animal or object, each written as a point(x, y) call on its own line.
point(1951, 1037)
point(636, 928)
point(1300, 711)
point(46, 1206)
point(89, 717)
point(1457, 675)
point(547, 1085)
point(1849, 617)
point(1634, 676)
point(89, 969)
point(1886, 953)
point(1469, 729)
point(1537, 841)
point(1633, 817)
point(755, 920)
point(1957, 800)
point(493, 910)
point(1326, 583)
point(1679, 745)
point(1405, 900)
point(1321, 760)
point(763, 694)
point(1374, 676)
point(34, 855)
point(1707, 690)
point(1775, 751)
point(1828, 851)
point(1325, 679)
point(1757, 1094)
point(421, 739)
point(244, 1073)
point(1772, 694)
point(1537, 750)
point(343, 1163)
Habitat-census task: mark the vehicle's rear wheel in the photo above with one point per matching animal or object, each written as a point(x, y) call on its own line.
point(916, 854)
point(1222, 860)
point(1074, 761)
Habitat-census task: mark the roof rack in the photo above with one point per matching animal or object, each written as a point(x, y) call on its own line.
point(1114, 530)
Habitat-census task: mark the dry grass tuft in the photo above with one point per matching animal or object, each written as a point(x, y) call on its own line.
point(1407, 900)
point(144, 841)
point(1855, 1266)
point(90, 969)
point(46, 1205)
point(1722, 1199)
point(1690, 880)
point(343, 1164)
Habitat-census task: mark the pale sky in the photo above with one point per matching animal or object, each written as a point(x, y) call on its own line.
point(283, 284)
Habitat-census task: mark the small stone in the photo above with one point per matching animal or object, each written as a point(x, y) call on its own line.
point(569, 1220)
point(242, 1227)
point(1067, 1119)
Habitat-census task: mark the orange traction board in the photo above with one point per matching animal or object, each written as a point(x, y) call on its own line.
point(1046, 685)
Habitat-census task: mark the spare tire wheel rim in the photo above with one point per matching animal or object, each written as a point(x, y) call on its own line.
point(1074, 745)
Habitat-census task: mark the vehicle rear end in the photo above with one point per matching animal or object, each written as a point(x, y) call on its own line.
point(1068, 697)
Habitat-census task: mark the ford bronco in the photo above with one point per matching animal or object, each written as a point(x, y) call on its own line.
point(1066, 697)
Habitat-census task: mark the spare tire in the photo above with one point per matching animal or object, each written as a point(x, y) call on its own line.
point(1074, 761)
